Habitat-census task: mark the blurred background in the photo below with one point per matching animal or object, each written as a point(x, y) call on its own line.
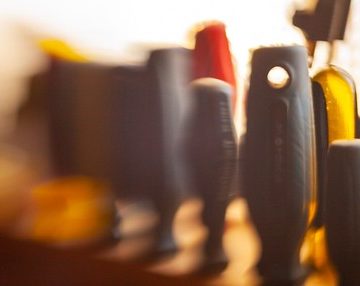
point(113, 33)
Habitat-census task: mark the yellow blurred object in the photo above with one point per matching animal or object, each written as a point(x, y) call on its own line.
point(340, 98)
point(75, 209)
point(61, 49)
point(340, 102)
point(313, 171)
point(308, 246)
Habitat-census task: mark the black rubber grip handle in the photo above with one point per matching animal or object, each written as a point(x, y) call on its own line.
point(169, 74)
point(342, 216)
point(211, 153)
point(277, 159)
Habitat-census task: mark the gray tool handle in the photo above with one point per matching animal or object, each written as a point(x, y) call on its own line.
point(277, 158)
point(342, 211)
point(211, 153)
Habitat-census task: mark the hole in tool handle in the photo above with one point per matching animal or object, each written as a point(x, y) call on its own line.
point(278, 77)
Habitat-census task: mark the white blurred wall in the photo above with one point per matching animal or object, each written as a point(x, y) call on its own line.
point(108, 29)
point(109, 26)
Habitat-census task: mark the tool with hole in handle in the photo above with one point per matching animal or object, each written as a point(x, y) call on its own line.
point(342, 215)
point(211, 156)
point(278, 158)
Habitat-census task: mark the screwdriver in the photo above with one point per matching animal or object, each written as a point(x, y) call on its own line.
point(169, 76)
point(326, 23)
point(342, 216)
point(211, 151)
point(278, 158)
point(147, 114)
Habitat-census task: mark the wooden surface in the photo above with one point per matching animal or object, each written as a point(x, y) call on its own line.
point(29, 263)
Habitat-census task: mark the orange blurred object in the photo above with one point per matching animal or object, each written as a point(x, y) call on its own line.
point(71, 210)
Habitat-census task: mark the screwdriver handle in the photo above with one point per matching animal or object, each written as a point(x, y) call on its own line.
point(211, 153)
point(277, 159)
point(335, 110)
point(342, 215)
point(169, 76)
